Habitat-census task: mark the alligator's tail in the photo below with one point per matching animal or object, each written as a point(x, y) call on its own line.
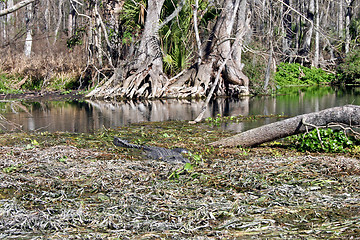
point(123, 143)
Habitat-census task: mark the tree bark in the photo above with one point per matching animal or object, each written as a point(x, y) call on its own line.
point(146, 79)
point(286, 27)
point(15, 7)
point(268, 68)
point(317, 35)
point(308, 35)
point(347, 25)
point(198, 81)
point(341, 19)
point(348, 115)
point(28, 40)
point(59, 21)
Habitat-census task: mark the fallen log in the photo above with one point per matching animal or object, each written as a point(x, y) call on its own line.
point(347, 115)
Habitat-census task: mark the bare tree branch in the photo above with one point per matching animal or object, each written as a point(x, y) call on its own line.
point(15, 7)
point(174, 14)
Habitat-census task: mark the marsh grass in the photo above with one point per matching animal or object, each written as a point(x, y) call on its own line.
point(49, 70)
point(80, 186)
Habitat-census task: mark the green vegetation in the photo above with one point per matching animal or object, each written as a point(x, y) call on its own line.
point(254, 69)
point(76, 38)
point(176, 37)
point(7, 82)
point(307, 91)
point(11, 84)
point(324, 140)
point(218, 120)
point(294, 74)
point(132, 21)
point(10, 169)
point(348, 72)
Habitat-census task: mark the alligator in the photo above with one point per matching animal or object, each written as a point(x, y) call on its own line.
point(156, 153)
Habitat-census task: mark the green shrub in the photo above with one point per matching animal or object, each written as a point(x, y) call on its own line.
point(295, 74)
point(254, 69)
point(77, 38)
point(349, 71)
point(32, 84)
point(330, 141)
point(5, 83)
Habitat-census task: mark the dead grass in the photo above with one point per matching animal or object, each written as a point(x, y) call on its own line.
point(48, 67)
point(98, 191)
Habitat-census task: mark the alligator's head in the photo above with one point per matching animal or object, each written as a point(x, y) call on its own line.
point(120, 142)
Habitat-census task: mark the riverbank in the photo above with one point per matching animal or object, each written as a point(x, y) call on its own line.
point(80, 186)
point(39, 96)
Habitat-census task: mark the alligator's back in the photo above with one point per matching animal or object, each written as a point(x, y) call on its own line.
point(157, 153)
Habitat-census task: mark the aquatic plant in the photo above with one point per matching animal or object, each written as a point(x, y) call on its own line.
point(324, 140)
point(218, 119)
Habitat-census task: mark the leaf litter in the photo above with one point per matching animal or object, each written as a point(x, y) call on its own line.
point(80, 186)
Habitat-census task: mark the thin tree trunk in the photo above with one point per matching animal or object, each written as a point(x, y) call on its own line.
point(286, 27)
point(2, 25)
point(347, 26)
point(268, 68)
point(9, 17)
point(71, 20)
point(348, 115)
point(317, 35)
point(59, 21)
point(28, 40)
point(198, 41)
point(270, 35)
point(309, 32)
point(298, 31)
point(47, 20)
point(98, 37)
point(341, 19)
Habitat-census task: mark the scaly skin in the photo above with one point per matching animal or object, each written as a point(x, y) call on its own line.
point(157, 153)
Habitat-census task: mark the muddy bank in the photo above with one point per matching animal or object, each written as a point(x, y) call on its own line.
point(80, 186)
point(38, 96)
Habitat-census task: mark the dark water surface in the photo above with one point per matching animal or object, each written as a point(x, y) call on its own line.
point(89, 115)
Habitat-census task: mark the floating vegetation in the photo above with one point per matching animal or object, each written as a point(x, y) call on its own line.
point(237, 119)
point(80, 186)
point(324, 140)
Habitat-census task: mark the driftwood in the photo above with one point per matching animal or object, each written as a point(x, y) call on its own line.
point(347, 115)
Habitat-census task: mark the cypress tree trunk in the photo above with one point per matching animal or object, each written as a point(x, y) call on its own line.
point(146, 79)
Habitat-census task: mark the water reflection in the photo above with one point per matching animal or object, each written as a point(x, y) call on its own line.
point(87, 116)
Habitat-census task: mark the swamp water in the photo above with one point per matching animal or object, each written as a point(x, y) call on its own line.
point(89, 115)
